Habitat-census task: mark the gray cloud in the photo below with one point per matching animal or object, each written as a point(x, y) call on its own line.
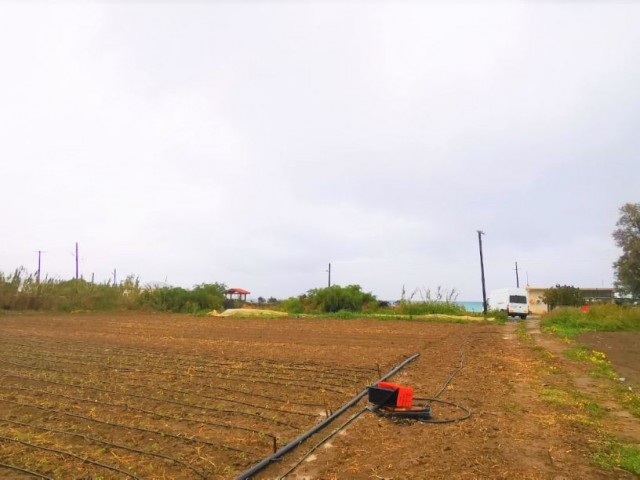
point(253, 143)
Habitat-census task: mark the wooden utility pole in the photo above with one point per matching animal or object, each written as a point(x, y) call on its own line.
point(517, 277)
point(76, 260)
point(484, 290)
point(39, 264)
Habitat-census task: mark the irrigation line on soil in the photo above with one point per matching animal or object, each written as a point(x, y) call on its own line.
point(453, 373)
point(236, 391)
point(136, 353)
point(231, 390)
point(58, 371)
point(280, 384)
point(24, 470)
point(321, 442)
point(297, 441)
point(251, 394)
point(62, 452)
point(238, 402)
point(109, 444)
point(301, 366)
point(289, 380)
point(142, 410)
point(130, 427)
point(285, 380)
point(162, 400)
point(183, 392)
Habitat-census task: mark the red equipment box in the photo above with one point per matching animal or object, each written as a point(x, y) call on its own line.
point(405, 394)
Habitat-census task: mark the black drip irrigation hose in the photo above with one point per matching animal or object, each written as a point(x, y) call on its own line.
point(416, 414)
point(73, 455)
point(247, 474)
point(24, 470)
point(424, 414)
point(108, 444)
point(321, 442)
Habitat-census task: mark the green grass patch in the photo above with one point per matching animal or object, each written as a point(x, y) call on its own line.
point(569, 322)
point(600, 366)
point(614, 454)
point(630, 400)
point(579, 403)
point(523, 334)
point(346, 315)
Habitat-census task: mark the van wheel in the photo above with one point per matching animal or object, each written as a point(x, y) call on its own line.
point(524, 317)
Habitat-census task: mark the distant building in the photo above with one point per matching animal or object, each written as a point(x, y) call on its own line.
point(237, 294)
point(591, 295)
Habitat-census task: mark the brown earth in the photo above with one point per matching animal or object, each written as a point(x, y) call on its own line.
point(169, 396)
point(622, 348)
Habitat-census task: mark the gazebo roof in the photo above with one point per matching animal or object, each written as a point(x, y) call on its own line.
point(240, 291)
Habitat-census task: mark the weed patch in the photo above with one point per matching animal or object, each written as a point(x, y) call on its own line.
point(569, 322)
point(601, 367)
point(614, 454)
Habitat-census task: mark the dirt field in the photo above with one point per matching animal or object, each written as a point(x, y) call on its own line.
point(158, 396)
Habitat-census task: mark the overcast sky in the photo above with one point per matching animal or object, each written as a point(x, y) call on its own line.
point(252, 143)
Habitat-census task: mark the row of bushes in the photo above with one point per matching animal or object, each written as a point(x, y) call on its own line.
point(351, 298)
point(22, 291)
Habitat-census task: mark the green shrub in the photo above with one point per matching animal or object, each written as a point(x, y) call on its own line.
point(176, 299)
point(335, 298)
point(292, 305)
point(500, 316)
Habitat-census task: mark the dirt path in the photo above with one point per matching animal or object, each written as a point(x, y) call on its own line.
point(621, 350)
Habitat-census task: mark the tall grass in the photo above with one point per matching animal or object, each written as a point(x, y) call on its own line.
point(21, 290)
point(439, 301)
point(569, 321)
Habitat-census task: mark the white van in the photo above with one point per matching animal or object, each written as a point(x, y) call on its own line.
point(513, 301)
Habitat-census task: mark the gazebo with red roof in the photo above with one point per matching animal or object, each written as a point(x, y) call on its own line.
point(241, 294)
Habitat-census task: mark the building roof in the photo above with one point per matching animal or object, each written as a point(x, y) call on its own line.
point(240, 291)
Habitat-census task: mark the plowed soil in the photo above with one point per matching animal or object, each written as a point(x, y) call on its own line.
point(169, 396)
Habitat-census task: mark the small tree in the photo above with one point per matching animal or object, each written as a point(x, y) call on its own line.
point(563, 296)
point(627, 237)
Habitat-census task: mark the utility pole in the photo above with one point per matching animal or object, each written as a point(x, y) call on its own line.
point(39, 263)
point(484, 290)
point(329, 272)
point(517, 278)
point(76, 260)
point(114, 277)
